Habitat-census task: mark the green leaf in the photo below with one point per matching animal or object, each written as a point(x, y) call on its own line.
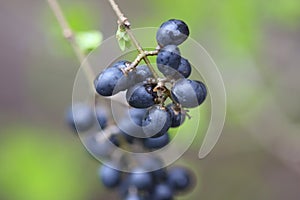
point(122, 44)
point(126, 37)
point(120, 34)
point(127, 44)
point(123, 38)
point(89, 40)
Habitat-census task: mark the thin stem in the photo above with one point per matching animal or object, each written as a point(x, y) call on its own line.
point(139, 58)
point(118, 12)
point(124, 21)
point(70, 36)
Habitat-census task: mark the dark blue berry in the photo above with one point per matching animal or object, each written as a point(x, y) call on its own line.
point(102, 117)
point(115, 140)
point(110, 177)
point(131, 123)
point(157, 142)
point(80, 117)
point(189, 93)
point(137, 115)
point(162, 192)
point(140, 74)
point(159, 175)
point(156, 122)
point(177, 117)
point(137, 75)
point(140, 179)
point(168, 60)
point(184, 68)
point(124, 186)
point(141, 95)
point(107, 80)
point(179, 178)
point(111, 80)
point(173, 31)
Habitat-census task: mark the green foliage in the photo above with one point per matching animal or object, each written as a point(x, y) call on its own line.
point(37, 164)
point(80, 16)
point(285, 12)
point(89, 40)
point(82, 21)
point(123, 38)
point(237, 24)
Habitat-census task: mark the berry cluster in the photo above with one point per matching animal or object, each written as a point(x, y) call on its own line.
point(155, 104)
point(147, 92)
point(140, 184)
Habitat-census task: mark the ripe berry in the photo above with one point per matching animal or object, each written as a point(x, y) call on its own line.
point(177, 117)
point(156, 122)
point(168, 60)
point(115, 140)
point(80, 117)
point(140, 179)
point(140, 74)
point(173, 31)
point(162, 192)
point(178, 178)
point(124, 186)
point(109, 176)
point(101, 116)
point(137, 115)
point(184, 68)
point(110, 81)
point(189, 93)
point(157, 142)
point(131, 124)
point(159, 175)
point(141, 95)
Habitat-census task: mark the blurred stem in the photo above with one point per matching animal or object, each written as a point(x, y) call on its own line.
point(123, 21)
point(70, 36)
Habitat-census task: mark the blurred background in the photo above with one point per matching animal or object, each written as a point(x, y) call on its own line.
point(255, 44)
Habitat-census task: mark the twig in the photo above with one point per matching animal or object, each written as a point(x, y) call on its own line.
point(124, 21)
point(139, 58)
point(69, 35)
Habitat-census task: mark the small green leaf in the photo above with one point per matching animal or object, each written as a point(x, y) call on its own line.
point(126, 37)
point(88, 41)
point(120, 34)
point(122, 44)
point(127, 44)
point(123, 38)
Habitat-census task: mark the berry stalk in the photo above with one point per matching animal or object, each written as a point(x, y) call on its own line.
point(139, 58)
point(123, 21)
